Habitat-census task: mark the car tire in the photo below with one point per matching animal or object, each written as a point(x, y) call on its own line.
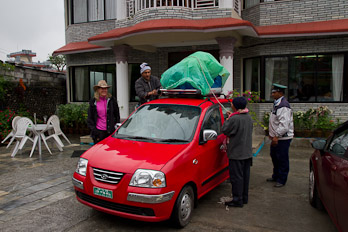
point(183, 208)
point(314, 199)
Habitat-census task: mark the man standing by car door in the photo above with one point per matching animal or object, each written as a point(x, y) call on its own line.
point(281, 132)
point(239, 128)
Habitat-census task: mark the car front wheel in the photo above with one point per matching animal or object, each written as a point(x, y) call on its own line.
point(314, 199)
point(183, 207)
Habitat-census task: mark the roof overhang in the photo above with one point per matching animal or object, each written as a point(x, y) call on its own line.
point(78, 47)
point(149, 35)
point(175, 32)
point(319, 28)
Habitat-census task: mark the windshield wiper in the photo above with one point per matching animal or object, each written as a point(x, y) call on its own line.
point(174, 140)
point(121, 136)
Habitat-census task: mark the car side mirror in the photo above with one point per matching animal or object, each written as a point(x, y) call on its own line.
point(209, 135)
point(118, 125)
point(319, 144)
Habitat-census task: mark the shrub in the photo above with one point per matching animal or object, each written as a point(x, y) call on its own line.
point(73, 115)
point(6, 117)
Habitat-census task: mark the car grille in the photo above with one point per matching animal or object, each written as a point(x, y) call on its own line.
point(107, 176)
point(115, 206)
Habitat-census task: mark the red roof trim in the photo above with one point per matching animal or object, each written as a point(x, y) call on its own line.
point(339, 26)
point(320, 27)
point(78, 47)
point(167, 24)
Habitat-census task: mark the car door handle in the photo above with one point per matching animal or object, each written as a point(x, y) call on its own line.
point(333, 167)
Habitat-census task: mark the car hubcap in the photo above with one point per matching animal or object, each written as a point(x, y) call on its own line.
point(185, 208)
point(311, 184)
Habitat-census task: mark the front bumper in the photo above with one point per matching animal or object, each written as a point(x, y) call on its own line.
point(129, 202)
point(150, 199)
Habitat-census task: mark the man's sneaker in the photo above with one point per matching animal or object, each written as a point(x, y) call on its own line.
point(278, 185)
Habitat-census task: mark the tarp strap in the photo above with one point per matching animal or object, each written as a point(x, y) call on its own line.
point(208, 84)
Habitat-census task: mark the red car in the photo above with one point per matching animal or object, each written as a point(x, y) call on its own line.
point(158, 163)
point(328, 178)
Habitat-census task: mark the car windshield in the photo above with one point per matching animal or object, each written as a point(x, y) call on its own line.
point(161, 123)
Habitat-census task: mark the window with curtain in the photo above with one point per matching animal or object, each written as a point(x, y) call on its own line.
point(79, 11)
point(250, 3)
point(92, 10)
point(309, 78)
point(95, 10)
point(84, 78)
point(252, 74)
point(110, 9)
point(80, 84)
point(276, 71)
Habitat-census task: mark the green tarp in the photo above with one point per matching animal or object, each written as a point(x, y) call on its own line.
point(195, 71)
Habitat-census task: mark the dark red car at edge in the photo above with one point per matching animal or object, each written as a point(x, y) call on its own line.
point(158, 163)
point(328, 178)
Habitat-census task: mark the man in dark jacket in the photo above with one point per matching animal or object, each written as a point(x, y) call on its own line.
point(147, 86)
point(239, 128)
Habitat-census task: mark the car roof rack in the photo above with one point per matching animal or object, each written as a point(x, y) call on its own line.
point(190, 93)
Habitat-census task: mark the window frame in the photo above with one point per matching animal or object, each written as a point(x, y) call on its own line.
point(72, 80)
point(289, 56)
point(70, 10)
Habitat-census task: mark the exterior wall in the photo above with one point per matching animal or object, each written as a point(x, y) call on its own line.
point(44, 91)
point(295, 11)
point(82, 31)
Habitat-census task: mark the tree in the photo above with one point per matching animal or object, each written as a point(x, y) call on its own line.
point(58, 61)
point(5, 84)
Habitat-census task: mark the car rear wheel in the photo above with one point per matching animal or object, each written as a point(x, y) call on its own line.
point(314, 199)
point(183, 207)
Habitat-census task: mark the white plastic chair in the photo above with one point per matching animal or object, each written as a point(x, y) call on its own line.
point(54, 121)
point(49, 128)
point(22, 126)
point(13, 132)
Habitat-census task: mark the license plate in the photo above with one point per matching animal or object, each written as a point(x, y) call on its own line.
point(102, 192)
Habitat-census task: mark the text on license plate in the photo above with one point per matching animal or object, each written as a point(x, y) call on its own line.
point(102, 192)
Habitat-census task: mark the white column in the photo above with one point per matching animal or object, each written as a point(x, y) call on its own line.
point(121, 9)
point(122, 80)
point(226, 45)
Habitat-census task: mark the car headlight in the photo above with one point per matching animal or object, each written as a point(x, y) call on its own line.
point(148, 179)
point(82, 166)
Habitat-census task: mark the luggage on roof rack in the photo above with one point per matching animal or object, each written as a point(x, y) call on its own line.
point(189, 93)
point(199, 71)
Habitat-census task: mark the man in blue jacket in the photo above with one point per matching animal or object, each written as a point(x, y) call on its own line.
point(281, 132)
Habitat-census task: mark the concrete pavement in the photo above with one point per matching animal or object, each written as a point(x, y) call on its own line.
point(36, 194)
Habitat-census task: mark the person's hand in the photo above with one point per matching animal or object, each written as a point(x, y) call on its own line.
point(153, 92)
point(228, 113)
point(274, 141)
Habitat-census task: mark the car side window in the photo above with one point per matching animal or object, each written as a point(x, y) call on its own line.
point(227, 107)
point(213, 121)
point(339, 144)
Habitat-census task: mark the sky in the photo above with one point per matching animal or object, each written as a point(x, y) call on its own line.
point(36, 25)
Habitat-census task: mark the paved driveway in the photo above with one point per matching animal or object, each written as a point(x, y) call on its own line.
point(36, 194)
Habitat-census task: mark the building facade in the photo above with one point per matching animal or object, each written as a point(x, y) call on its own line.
point(302, 44)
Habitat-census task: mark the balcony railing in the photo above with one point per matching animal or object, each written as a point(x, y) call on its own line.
point(137, 5)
